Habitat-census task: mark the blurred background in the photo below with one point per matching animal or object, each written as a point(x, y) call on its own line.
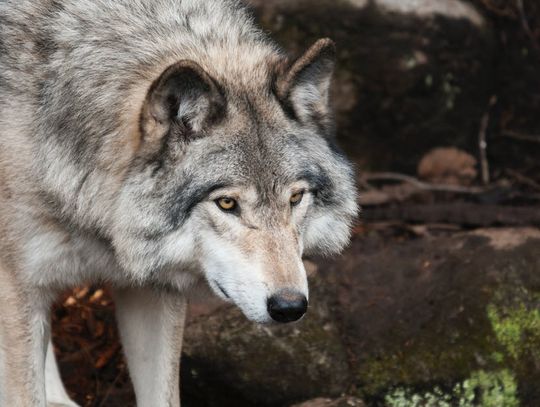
point(436, 301)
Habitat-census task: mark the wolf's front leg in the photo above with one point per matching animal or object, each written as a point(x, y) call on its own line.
point(24, 332)
point(151, 325)
point(55, 390)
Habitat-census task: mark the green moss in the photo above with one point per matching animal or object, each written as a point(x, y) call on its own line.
point(499, 330)
point(450, 90)
point(514, 323)
point(493, 389)
point(482, 389)
point(403, 397)
point(440, 357)
point(517, 328)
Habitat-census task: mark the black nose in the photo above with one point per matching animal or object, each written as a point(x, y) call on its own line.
point(287, 306)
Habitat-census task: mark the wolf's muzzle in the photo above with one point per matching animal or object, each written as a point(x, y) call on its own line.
point(287, 306)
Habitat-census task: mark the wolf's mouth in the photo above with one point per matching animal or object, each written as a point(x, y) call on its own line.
point(222, 290)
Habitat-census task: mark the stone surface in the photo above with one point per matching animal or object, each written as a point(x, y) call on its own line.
point(340, 402)
point(251, 364)
point(411, 74)
point(442, 311)
point(448, 166)
point(390, 320)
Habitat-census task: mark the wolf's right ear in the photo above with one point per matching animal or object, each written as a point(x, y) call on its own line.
point(304, 87)
point(185, 98)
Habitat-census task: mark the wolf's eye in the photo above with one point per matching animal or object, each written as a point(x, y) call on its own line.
point(226, 204)
point(296, 198)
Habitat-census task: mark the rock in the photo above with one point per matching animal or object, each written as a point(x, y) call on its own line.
point(436, 319)
point(448, 165)
point(411, 74)
point(341, 402)
point(454, 9)
point(443, 315)
point(258, 365)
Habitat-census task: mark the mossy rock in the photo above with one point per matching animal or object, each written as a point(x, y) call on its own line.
point(434, 321)
point(485, 389)
point(434, 313)
point(340, 402)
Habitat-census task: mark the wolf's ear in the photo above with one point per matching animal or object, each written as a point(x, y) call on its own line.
point(305, 87)
point(185, 98)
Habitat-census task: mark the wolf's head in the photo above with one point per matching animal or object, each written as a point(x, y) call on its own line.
point(236, 182)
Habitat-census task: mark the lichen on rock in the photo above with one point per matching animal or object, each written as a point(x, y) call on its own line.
point(481, 389)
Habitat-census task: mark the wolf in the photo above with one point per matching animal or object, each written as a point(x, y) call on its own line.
point(155, 146)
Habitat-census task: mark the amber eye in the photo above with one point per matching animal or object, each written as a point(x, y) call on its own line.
point(226, 204)
point(296, 198)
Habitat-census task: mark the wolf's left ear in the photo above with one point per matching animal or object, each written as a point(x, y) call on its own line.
point(304, 88)
point(184, 98)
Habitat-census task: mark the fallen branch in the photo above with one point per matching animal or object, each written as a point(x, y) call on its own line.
point(482, 140)
point(523, 179)
point(465, 214)
point(503, 9)
point(425, 186)
point(525, 25)
point(519, 136)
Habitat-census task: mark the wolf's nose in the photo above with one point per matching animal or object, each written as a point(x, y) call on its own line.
point(287, 306)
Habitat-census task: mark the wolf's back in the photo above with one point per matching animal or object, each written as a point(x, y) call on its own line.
point(85, 66)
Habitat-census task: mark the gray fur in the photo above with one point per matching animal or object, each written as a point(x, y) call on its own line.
point(101, 182)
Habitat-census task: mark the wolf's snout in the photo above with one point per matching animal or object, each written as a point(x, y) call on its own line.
point(287, 306)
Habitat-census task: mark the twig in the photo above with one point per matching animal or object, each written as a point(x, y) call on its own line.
point(504, 11)
point(482, 141)
point(525, 24)
point(467, 214)
point(110, 389)
point(362, 183)
point(520, 136)
point(425, 186)
point(523, 179)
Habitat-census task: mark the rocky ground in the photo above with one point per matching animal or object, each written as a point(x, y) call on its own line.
point(393, 318)
point(402, 316)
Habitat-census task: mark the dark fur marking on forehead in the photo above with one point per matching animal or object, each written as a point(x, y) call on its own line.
point(259, 151)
